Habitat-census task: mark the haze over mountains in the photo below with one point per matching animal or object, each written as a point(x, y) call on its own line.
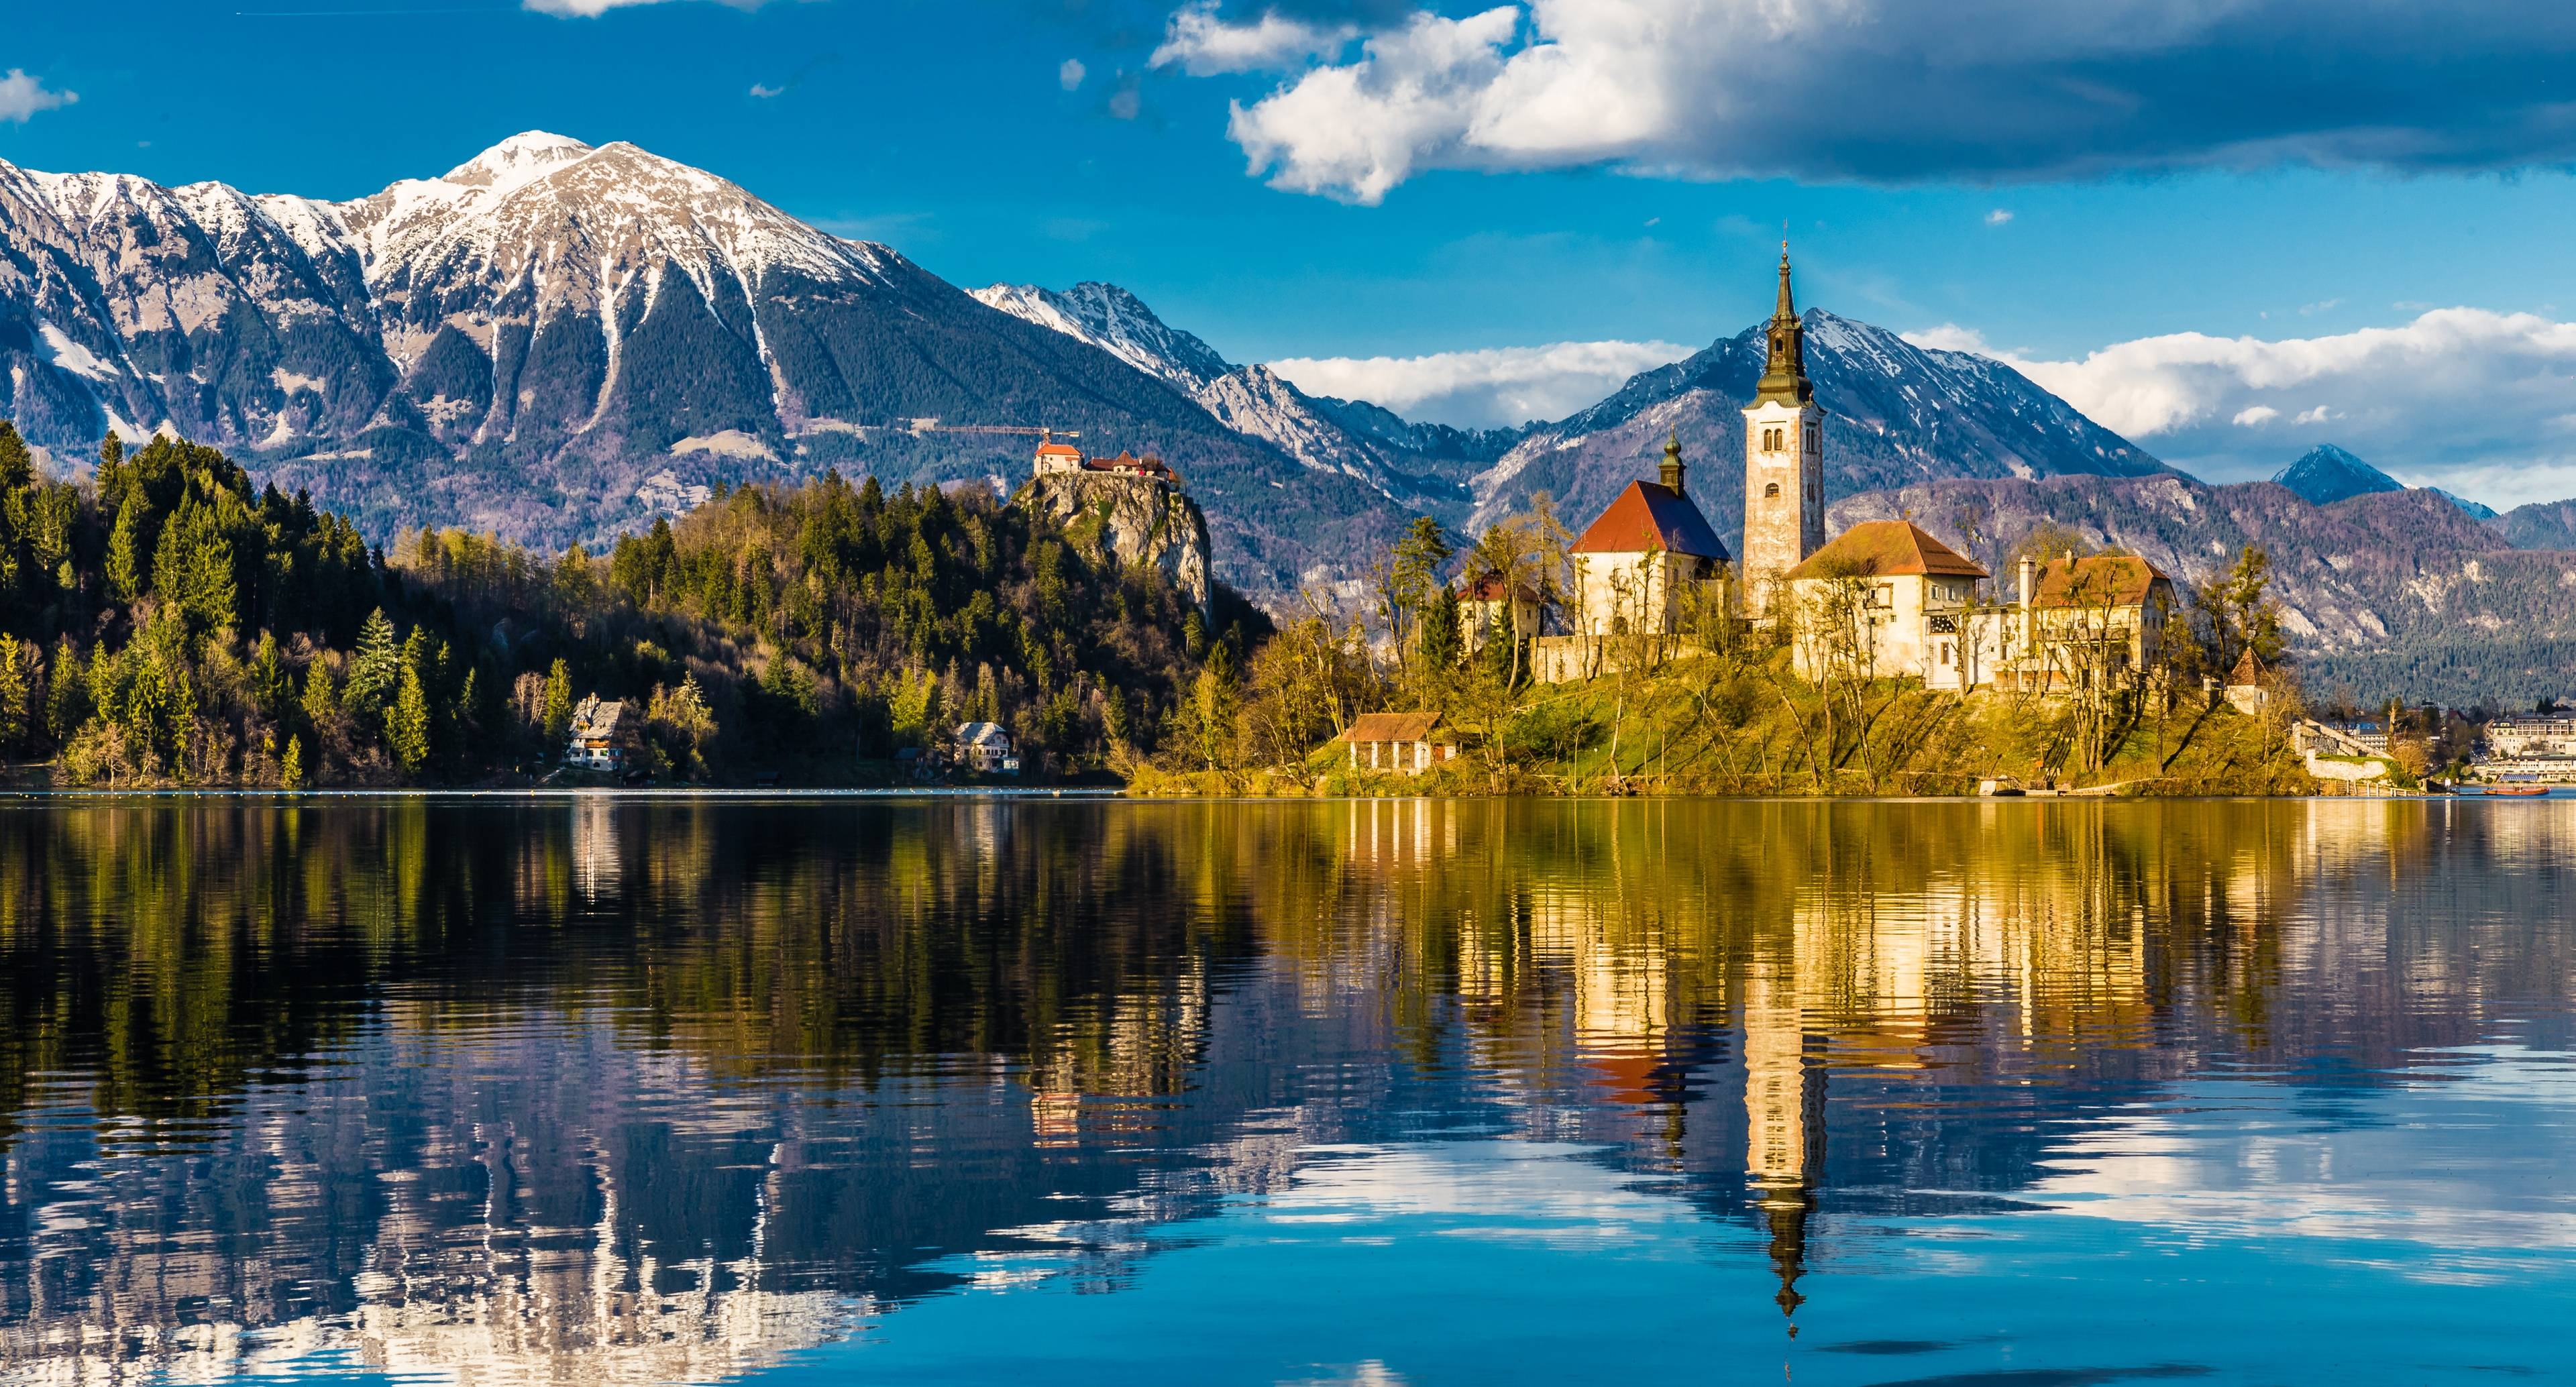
point(555, 342)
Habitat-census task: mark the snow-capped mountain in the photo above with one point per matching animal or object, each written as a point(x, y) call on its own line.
point(2326, 474)
point(1896, 413)
point(1118, 323)
point(1420, 466)
point(552, 340)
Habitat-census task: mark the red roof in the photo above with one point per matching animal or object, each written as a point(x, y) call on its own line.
point(1391, 727)
point(2098, 580)
point(1883, 548)
point(1058, 450)
point(1488, 587)
point(1648, 516)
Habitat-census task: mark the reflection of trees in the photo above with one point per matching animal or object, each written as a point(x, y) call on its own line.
point(555, 1080)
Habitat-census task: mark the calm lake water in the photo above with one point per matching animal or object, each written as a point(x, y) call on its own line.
point(606, 1091)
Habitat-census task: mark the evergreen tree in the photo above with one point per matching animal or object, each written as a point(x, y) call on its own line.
point(407, 728)
point(17, 465)
point(126, 574)
point(374, 670)
point(290, 769)
point(67, 702)
point(15, 703)
point(558, 705)
point(268, 682)
point(321, 702)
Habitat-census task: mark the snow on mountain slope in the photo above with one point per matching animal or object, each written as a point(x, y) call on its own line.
point(540, 341)
point(1897, 413)
point(1118, 323)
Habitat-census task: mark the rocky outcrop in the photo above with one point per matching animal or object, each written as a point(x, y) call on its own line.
point(1129, 521)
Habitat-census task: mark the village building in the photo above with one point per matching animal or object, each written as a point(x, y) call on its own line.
point(1489, 603)
point(1784, 459)
point(2249, 688)
point(1060, 459)
point(1405, 743)
point(984, 748)
point(2097, 616)
point(1886, 598)
point(1635, 570)
point(2532, 736)
point(600, 736)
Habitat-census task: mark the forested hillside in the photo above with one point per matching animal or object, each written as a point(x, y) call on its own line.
point(168, 623)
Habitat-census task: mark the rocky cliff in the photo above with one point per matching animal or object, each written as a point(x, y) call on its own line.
point(1129, 521)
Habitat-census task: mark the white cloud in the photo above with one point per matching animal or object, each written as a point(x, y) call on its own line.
point(1204, 44)
point(765, 91)
point(22, 96)
point(1998, 217)
point(1071, 73)
point(1972, 89)
point(2310, 310)
point(2463, 398)
point(1487, 388)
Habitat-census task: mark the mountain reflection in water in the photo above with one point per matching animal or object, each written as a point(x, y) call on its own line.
point(649, 1090)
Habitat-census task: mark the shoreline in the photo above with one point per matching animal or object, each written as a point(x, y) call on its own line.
point(1087, 794)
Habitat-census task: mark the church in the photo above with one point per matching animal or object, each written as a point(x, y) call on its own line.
point(1885, 598)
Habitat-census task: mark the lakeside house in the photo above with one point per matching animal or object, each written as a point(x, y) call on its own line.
point(1405, 743)
point(600, 736)
point(984, 748)
point(1891, 599)
point(2531, 748)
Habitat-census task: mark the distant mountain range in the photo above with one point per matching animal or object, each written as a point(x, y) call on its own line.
point(2326, 474)
point(556, 341)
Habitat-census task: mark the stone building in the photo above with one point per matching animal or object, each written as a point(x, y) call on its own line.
point(1784, 460)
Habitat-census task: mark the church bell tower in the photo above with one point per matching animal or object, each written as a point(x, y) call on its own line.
point(1784, 458)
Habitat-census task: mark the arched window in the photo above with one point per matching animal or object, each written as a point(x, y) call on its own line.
point(1771, 492)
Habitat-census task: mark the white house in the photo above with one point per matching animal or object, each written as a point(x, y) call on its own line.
point(1889, 598)
point(985, 748)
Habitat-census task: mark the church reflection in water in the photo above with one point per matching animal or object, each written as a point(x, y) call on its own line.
point(657, 1092)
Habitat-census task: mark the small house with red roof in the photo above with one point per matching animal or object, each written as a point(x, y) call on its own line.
point(1888, 596)
point(1063, 458)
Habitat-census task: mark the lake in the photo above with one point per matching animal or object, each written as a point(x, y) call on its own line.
point(603, 1090)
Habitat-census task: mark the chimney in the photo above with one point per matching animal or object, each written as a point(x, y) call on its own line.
point(1673, 469)
point(2029, 580)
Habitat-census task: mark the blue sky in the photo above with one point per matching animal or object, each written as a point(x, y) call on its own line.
point(1989, 172)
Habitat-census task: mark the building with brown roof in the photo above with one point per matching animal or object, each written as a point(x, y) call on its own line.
point(1490, 604)
point(1886, 598)
point(2081, 619)
point(1405, 743)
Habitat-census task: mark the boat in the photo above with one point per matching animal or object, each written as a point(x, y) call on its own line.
point(2519, 791)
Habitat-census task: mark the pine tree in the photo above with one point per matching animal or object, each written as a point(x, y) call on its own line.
point(126, 574)
point(17, 465)
point(558, 705)
point(112, 477)
point(14, 701)
point(407, 729)
point(67, 703)
point(290, 769)
point(268, 685)
point(374, 670)
point(321, 702)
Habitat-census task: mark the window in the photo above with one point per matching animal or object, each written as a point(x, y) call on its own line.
point(1771, 492)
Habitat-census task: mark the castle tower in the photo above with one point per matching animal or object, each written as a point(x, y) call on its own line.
point(1784, 459)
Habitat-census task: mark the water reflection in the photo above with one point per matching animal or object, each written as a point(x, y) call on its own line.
point(659, 1091)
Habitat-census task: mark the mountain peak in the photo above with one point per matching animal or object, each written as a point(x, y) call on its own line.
point(522, 158)
point(1117, 322)
point(2327, 474)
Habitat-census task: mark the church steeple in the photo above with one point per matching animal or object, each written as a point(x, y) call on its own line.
point(1784, 374)
point(1672, 469)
